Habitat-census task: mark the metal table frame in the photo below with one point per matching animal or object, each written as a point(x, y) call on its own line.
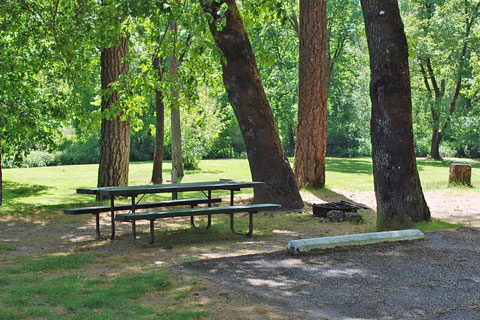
point(134, 191)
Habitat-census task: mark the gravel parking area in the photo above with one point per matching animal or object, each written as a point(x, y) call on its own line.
point(438, 278)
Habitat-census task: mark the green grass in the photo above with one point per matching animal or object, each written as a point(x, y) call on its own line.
point(54, 262)
point(54, 188)
point(24, 294)
point(59, 286)
point(6, 247)
point(435, 225)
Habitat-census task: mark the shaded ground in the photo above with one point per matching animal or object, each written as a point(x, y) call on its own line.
point(434, 279)
point(40, 236)
point(36, 235)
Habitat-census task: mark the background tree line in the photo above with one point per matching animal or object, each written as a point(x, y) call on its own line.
point(209, 127)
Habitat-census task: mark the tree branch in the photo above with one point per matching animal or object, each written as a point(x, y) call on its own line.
point(294, 22)
point(187, 44)
point(431, 73)
point(425, 79)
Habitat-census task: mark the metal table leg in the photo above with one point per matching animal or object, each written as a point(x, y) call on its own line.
point(250, 225)
point(152, 231)
point(97, 227)
point(112, 215)
point(192, 219)
point(209, 223)
point(232, 227)
point(134, 226)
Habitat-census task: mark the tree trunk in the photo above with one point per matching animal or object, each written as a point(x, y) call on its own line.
point(177, 159)
point(460, 174)
point(435, 145)
point(312, 95)
point(291, 138)
point(400, 199)
point(115, 133)
point(1, 177)
point(255, 117)
point(159, 127)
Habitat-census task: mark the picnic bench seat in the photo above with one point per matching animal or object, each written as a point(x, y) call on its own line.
point(231, 210)
point(96, 210)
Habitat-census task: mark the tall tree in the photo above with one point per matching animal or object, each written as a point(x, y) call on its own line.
point(159, 126)
point(177, 159)
point(33, 97)
point(313, 81)
point(443, 40)
point(115, 131)
point(246, 94)
point(398, 190)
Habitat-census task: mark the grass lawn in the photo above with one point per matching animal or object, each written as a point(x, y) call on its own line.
point(54, 287)
point(54, 187)
point(51, 268)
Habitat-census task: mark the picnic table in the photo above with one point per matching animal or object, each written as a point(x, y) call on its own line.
point(141, 190)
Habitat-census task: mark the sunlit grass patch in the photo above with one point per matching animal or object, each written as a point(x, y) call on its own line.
point(77, 296)
point(54, 262)
point(49, 189)
point(435, 224)
point(6, 247)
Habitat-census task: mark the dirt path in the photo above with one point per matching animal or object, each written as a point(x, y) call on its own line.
point(434, 279)
point(451, 206)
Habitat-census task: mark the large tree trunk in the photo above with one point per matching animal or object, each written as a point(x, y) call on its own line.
point(312, 95)
point(247, 96)
point(398, 190)
point(291, 137)
point(177, 159)
point(115, 133)
point(1, 176)
point(435, 145)
point(159, 127)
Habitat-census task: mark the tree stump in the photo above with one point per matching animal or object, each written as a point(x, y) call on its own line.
point(460, 174)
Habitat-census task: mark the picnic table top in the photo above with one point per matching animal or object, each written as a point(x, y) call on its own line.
point(165, 188)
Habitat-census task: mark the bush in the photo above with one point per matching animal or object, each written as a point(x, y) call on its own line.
point(83, 150)
point(39, 159)
point(192, 153)
point(422, 147)
point(142, 146)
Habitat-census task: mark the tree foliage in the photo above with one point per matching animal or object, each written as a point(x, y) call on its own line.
point(442, 39)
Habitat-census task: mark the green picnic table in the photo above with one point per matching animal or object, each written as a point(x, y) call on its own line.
point(142, 190)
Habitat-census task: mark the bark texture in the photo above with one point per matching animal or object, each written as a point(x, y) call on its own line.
point(246, 94)
point(115, 133)
point(159, 127)
point(312, 95)
point(1, 180)
point(177, 159)
point(400, 199)
point(460, 174)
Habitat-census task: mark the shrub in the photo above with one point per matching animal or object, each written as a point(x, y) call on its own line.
point(82, 150)
point(39, 159)
point(192, 153)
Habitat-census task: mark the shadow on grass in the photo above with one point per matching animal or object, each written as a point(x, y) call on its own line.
point(184, 237)
point(24, 210)
point(445, 163)
point(14, 190)
point(362, 166)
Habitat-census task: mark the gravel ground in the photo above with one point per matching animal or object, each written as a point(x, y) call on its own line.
point(438, 278)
